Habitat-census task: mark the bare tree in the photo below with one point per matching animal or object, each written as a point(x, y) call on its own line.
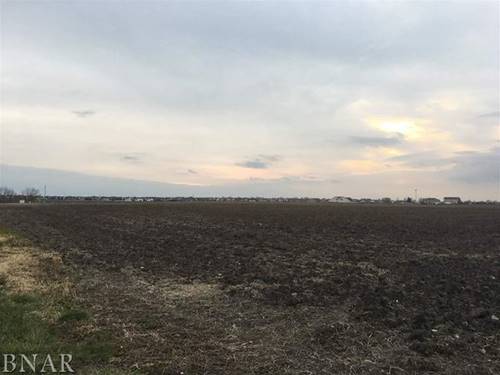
point(5, 191)
point(31, 192)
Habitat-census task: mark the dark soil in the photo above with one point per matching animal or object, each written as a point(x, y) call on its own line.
point(213, 288)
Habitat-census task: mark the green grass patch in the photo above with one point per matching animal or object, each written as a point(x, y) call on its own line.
point(74, 315)
point(149, 323)
point(50, 324)
point(95, 349)
point(8, 232)
point(24, 331)
point(24, 299)
point(11, 238)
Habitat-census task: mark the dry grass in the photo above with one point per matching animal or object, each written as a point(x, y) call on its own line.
point(36, 283)
point(21, 265)
point(24, 269)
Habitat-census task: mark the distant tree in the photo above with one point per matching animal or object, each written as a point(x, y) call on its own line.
point(4, 190)
point(31, 192)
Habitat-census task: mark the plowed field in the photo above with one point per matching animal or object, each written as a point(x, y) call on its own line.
point(221, 288)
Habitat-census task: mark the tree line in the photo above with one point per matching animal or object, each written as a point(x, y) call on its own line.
point(27, 192)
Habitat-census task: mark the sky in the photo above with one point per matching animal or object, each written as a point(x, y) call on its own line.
point(365, 99)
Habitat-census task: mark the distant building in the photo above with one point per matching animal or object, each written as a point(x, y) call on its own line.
point(367, 200)
point(340, 200)
point(430, 201)
point(452, 200)
point(404, 201)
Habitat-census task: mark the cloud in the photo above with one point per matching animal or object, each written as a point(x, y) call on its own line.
point(294, 179)
point(198, 85)
point(378, 141)
point(490, 114)
point(84, 114)
point(477, 167)
point(422, 160)
point(470, 167)
point(255, 164)
point(270, 158)
point(132, 158)
point(261, 162)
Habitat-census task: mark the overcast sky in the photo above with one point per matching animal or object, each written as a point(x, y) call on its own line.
point(341, 98)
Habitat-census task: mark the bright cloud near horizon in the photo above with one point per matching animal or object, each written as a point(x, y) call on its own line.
point(351, 98)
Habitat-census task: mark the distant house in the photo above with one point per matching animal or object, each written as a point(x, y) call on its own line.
point(430, 201)
point(340, 200)
point(367, 200)
point(452, 200)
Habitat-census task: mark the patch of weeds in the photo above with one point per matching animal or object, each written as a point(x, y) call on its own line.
point(11, 238)
point(24, 299)
point(3, 282)
point(149, 323)
point(109, 371)
point(49, 324)
point(95, 349)
point(74, 315)
point(23, 330)
point(6, 232)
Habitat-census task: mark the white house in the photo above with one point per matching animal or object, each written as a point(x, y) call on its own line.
point(429, 201)
point(340, 200)
point(452, 200)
